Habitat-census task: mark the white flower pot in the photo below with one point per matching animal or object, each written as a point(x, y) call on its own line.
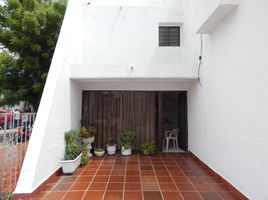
point(99, 153)
point(111, 149)
point(88, 142)
point(146, 153)
point(69, 166)
point(125, 152)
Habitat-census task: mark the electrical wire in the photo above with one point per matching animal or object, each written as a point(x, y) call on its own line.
point(200, 59)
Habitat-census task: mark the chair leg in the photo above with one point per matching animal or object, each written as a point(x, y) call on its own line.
point(177, 146)
point(163, 144)
point(167, 144)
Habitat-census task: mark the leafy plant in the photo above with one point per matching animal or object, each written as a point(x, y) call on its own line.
point(83, 132)
point(92, 131)
point(73, 148)
point(127, 138)
point(111, 141)
point(87, 132)
point(84, 158)
point(70, 137)
point(98, 149)
point(148, 147)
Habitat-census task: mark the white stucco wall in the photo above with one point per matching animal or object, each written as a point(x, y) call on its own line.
point(228, 113)
point(120, 34)
point(54, 116)
point(96, 48)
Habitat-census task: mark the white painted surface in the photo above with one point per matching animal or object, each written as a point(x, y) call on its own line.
point(135, 84)
point(220, 13)
point(103, 41)
point(46, 146)
point(228, 114)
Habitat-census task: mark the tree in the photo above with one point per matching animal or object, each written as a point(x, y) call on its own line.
point(29, 31)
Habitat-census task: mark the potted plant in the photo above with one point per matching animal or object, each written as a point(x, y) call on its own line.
point(111, 146)
point(148, 147)
point(127, 138)
point(99, 152)
point(87, 136)
point(73, 153)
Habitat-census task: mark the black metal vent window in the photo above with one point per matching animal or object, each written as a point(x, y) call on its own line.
point(169, 36)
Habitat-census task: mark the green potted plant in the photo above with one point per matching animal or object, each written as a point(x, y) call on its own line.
point(127, 138)
point(99, 152)
point(148, 147)
point(73, 153)
point(111, 146)
point(87, 136)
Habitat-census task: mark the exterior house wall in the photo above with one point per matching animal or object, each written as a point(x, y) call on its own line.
point(97, 46)
point(100, 43)
point(54, 117)
point(228, 113)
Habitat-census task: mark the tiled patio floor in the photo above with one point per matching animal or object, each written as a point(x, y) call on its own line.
point(138, 177)
point(11, 158)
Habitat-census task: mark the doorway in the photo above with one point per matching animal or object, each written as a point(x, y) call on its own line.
point(173, 115)
point(148, 113)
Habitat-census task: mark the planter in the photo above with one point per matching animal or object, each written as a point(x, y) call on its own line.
point(146, 153)
point(125, 152)
point(69, 166)
point(111, 149)
point(88, 142)
point(99, 153)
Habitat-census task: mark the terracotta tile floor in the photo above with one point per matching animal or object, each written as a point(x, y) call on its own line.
point(137, 177)
point(11, 158)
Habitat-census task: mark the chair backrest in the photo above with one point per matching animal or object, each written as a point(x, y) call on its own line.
point(173, 134)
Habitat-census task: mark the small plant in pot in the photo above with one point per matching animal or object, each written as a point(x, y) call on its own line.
point(87, 136)
point(73, 153)
point(148, 147)
point(99, 152)
point(127, 138)
point(111, 146)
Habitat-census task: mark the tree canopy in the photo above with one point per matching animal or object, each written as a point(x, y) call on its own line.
point(29, 31)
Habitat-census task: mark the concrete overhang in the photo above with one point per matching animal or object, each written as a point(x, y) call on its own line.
point(216, 15)
point(137, 84)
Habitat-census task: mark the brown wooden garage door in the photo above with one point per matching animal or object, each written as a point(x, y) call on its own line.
point(113, 112)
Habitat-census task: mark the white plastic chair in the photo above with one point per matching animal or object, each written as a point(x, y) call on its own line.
point(171, 135)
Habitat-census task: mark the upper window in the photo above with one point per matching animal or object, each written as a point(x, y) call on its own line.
point(169, 36)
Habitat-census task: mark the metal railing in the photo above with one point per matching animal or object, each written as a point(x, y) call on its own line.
point(15, 132)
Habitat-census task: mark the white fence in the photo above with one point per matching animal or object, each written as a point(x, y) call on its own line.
point(15, 132)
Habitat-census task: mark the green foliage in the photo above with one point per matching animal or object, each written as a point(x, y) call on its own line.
point(72, 151)
point(87, 132)
point(92, 131)
point(73, 147)
point(98, 149)
point(111, 141)
point(70, 137)
point(84, 133)
point(148, 147)
point(128, 138)
point(29, 31)
point(84, 158)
